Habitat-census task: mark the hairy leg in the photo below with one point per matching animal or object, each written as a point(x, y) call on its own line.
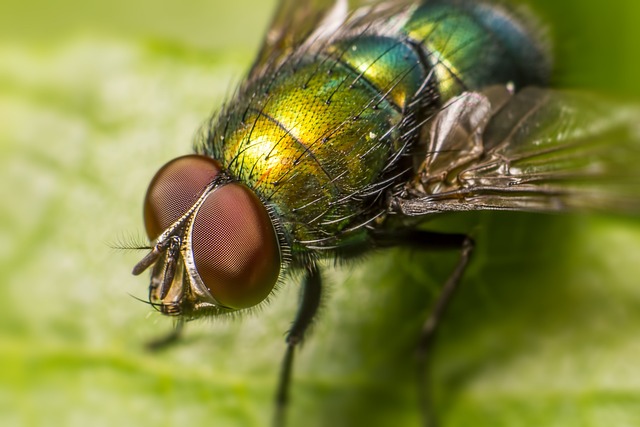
point(309, 303)
point(430, 329)
point(425, 240)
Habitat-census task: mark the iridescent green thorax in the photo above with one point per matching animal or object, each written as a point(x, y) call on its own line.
point(320, 136)
point(310, 141)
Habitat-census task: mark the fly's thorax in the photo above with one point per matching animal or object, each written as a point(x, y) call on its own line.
point(311, 139)
point(216, 248)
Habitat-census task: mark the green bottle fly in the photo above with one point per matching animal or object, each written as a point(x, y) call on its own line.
point(320, 134)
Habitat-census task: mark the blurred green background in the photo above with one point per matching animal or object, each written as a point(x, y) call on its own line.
point(95, 96)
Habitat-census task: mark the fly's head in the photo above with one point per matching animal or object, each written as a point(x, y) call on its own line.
point(215, 248)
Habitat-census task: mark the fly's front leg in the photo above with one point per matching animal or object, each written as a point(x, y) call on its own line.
point(425, 240)
point(309, 303)
point(169, 339)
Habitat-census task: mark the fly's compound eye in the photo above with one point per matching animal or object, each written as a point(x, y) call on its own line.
point(174, 189)
point(235, 247)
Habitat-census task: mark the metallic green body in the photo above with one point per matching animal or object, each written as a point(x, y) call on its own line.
point(471, 45)
point(322, 134)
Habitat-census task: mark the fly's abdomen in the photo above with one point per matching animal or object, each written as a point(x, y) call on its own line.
point(321, 134)
point(470, 45)
point(392, 65)
point(444, 48)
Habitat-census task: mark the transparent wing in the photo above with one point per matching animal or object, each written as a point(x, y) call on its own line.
point(290, 26)
point(536, 150)
point(297, 22)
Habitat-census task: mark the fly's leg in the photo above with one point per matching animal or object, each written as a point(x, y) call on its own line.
point(425, 240)
point(169, 339)
point(309, 302)
point(430, 329)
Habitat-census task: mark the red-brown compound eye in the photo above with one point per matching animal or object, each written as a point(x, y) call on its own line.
point(174, 189)
point(235, 248)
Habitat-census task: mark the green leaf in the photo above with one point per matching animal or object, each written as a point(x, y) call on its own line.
point(542, 333)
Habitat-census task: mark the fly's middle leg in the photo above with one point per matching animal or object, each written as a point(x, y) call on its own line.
point(430, 329)
point(425, 240)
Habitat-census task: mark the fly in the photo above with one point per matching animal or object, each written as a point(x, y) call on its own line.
point(357, 122)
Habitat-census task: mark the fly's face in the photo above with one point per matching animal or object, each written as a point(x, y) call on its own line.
point(215, 247)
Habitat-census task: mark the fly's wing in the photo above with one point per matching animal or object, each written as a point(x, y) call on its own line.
point(298, 22)
point(536, 150)
point(290, 26)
